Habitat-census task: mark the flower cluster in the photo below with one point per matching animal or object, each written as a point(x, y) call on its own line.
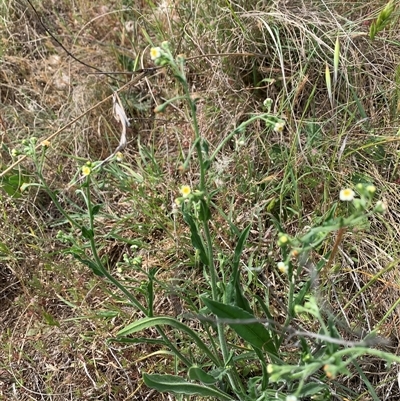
point(119, 156)
point(28, 148)
point(366, 192)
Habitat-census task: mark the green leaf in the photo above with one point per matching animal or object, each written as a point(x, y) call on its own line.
point(304, 291)
point(206, 164)
point(87, 233)
point(328, 83)
point(239, 249)
point(205, 147)
point(204, 212)
point(336, 56)
point(178, 385)
point(253, 332)
point(239, 298)
point(264, 307)
point(93, 266)
point(311, 389)
point(96, 209)
point(138, 340)
point(11, 185)
point(198, 374)
point(310, 307)
point(5, 252)
point(147, 322)
point(150, 291)
point(195, 237)
point(107, 314)
point(366, 381)
point(50, 320)
point(290, 373)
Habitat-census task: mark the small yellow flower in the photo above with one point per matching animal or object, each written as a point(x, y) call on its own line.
point(46, 143)
point(279, 127)
point(86, 170)
point(346, 195)
point(155, 53)
point(283, 239)
point(119, 156)
point(185, 190)
point(283, 268)
point(270, 368)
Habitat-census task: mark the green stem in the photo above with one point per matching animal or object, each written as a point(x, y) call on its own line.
point(195, 124)
point(236, 384)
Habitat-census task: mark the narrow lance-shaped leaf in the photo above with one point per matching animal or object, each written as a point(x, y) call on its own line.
point(147, 322)
point(251, 331)
point(239, 298)
point(198, 374)
point(196, 239)
point(178, 385)
point(93, 266)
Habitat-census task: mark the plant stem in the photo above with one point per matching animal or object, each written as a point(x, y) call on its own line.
point(232, 375)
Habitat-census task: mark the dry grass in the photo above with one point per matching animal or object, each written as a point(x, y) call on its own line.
point(54, 331)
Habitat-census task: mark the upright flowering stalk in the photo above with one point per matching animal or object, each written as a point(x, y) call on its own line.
point(198, 220)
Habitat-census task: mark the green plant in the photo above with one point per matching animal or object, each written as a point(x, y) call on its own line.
point(272, 280)
point(231, 308)
point(217, 367)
